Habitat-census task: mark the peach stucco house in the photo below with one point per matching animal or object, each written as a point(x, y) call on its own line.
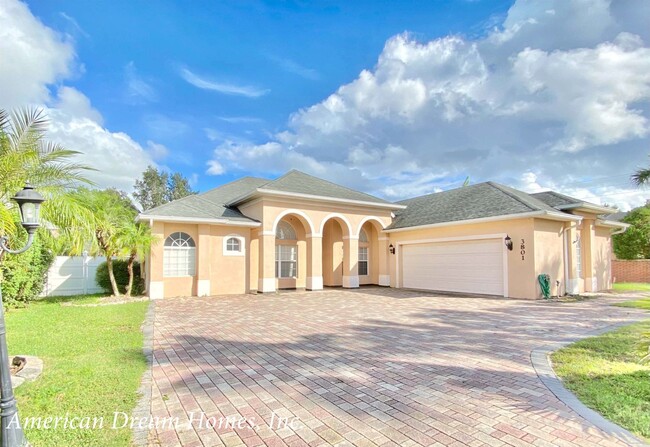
point(299, 231)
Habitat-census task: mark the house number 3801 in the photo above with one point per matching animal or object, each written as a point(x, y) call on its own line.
point(522, 247)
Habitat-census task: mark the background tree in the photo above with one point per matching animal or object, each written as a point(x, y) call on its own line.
point(157, 188)
point(634, 243)
point(641, 176)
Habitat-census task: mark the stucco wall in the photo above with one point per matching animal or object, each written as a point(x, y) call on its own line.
point(602, 258)
point(549, 254)
point(521, 272)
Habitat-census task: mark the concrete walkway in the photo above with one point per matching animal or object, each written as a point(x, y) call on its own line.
point(366, 367)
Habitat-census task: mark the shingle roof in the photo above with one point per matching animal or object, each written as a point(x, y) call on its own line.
point(482, 200)
point(301, 183)
point(211, 204)
point(618, 217)
point(556, 199)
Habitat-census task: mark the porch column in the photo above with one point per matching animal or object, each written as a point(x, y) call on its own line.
point(266, 282)
point(350, 262)
point(384, 272)
point(314, 262)
point(156, 285)
point(588, 235)
point(203, 258)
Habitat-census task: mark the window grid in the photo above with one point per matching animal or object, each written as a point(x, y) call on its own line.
point(179, 255)
point(363, 261)
point(233, 244)
point(579, 257)
point(286, 261)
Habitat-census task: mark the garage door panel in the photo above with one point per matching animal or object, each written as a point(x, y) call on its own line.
point(467, 266)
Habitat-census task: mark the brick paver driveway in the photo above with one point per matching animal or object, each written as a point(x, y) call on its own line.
point(366, 367)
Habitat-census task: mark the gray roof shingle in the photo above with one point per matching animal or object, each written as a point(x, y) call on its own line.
point(211, 204)
point(556, 199)
point(482, 200)
point(298, 182)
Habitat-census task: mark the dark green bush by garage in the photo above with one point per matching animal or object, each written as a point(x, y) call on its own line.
point(121, 277)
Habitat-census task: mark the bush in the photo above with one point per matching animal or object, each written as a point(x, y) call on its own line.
point(23, 275)
point(121, 273)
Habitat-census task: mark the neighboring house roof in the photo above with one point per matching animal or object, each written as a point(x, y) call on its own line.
point(563, 202)
point(300, 185)
point(617, 217)
point(210, 205)
point(480, 201)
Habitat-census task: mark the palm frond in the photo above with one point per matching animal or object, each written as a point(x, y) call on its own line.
point(27, 127)
point(641, 177)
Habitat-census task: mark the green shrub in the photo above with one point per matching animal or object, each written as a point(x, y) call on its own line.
point(121, 277)
point(23, 275)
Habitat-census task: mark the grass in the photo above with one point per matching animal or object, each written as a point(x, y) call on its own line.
point(76, 299)
point(607, 374)
point(631, 287)
point(93, 363)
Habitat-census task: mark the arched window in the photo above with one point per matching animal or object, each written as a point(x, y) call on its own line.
point(363, 236)
point(285, 231)
point(233, 244)
point(179, 256)
point(286, 254)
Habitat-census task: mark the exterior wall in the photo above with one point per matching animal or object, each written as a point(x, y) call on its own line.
point(549, 255)
point(637, 270)
point(520, 272)
point(215, 273)
point(602, 258)
point(332, 254)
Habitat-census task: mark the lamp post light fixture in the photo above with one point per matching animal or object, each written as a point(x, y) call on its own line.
point(508, 242)
point(29, 201)
point(391, 249)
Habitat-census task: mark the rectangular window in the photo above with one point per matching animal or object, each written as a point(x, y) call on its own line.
point(579, 257)
point(363, 261)
point(286, 261)
point(179, 261)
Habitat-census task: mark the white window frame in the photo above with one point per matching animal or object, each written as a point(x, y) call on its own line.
point(174, 253)
point(279, 261)
point(579, 257)
point(242, 246)
point(367, 261)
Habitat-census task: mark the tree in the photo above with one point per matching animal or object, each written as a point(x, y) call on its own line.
point(134, 239)
point(157, 188)
point(634, 243)
point(641, 177)
point(25, 155)
point(112, 211)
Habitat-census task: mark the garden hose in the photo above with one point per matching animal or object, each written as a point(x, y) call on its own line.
point(545, 284)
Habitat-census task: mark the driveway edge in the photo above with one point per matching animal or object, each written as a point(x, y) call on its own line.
point(142, 410)
point(540, 358)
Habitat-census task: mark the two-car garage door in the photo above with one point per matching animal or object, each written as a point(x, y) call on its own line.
point(474, 266)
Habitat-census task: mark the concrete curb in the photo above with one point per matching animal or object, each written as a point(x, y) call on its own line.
point(143, 408)
point(540, 357)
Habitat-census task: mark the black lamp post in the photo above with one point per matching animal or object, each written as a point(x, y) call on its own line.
point(29, 201)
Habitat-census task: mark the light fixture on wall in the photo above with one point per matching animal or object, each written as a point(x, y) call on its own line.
point(508, 242)
point(391, 249)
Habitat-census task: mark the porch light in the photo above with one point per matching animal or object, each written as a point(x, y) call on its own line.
point(508, 242)
point(391, 249)
point(29, 201)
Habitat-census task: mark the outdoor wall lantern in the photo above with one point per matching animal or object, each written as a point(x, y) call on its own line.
point(391, 249)
point(29, 201)
point(508, 242)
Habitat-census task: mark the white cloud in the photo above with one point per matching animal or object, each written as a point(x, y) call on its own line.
point(215, 168)
point(138, 90)
point(35, 60)
point(561, 91)
point(32, 56)
point(291, 66)
point(221, 87)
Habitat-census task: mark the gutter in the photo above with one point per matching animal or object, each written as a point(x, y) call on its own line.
point(589, 207)
point(538, 214)
point(197, 220)
point(619, 226)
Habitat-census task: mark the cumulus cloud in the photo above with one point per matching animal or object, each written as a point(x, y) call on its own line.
point(34, 63)
point(221, 87)
point(560, 89)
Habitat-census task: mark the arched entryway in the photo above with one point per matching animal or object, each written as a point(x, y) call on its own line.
point(371, 254)
point(291, 257)
point(338, 266)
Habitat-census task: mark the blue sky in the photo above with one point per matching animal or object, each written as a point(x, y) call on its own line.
point(394, 98)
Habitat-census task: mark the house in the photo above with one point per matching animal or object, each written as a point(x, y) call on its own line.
point(299, 231)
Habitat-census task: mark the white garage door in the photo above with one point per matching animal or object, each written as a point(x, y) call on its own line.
point(469, 266)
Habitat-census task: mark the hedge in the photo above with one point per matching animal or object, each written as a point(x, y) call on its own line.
point(23, 275)
point(121, 272)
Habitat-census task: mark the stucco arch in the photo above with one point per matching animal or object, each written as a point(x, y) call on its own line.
point(339, 216)
point(302, 214)
point(376, 219)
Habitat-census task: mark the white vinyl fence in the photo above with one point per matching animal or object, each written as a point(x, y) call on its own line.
point(72, 275)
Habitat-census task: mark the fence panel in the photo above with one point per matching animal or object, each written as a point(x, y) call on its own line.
point(72, 275)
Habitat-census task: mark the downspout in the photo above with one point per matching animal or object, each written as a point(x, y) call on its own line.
point(619, 231)
point(566, 260)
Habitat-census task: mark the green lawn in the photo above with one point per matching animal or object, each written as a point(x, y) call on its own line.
point(606, 373)
point(631, 287)
point(93, 365)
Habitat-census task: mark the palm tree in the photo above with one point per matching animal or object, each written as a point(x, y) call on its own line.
point(135, 239)
point(25, 155)
point(641, 177)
